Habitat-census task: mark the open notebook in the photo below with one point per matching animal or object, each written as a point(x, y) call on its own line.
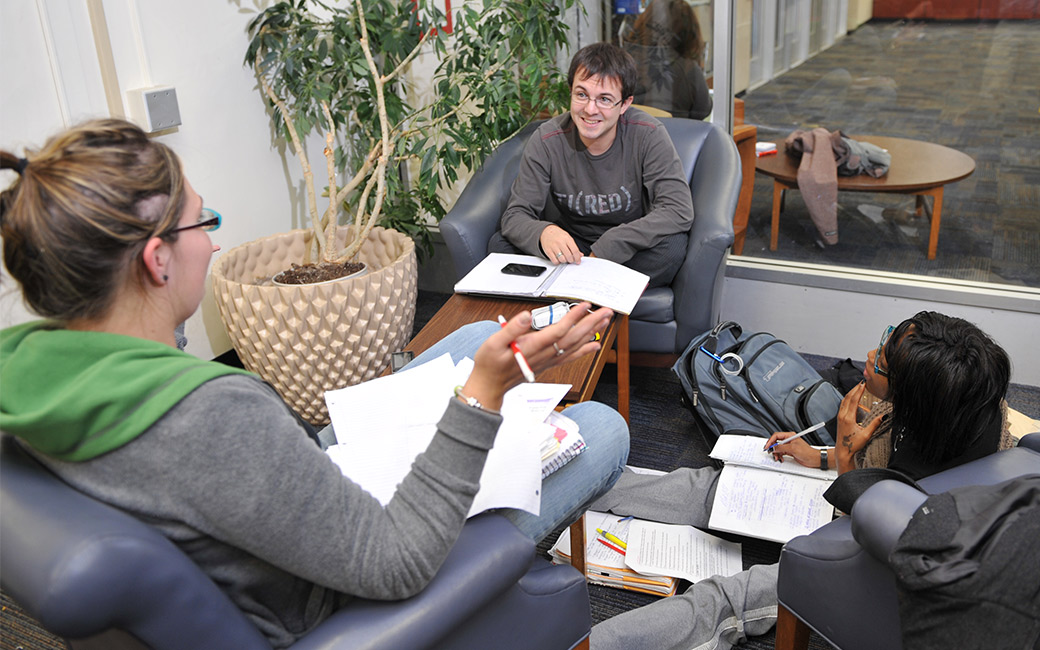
point(599, 281)
point(760, 497)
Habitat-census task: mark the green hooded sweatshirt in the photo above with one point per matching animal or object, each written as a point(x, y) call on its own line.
point(76, 395)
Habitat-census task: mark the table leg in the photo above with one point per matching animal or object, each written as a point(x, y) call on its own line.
point(578, 545)
point(745, 139)
point(623, 367)
point(937, 197)
point(774, 230)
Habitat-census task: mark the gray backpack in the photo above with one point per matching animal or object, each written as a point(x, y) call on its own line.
point(754, 384)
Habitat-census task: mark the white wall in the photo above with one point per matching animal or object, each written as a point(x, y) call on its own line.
point(50, 79)
point(840, 321)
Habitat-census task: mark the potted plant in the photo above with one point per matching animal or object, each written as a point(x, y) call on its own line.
point(343, 72)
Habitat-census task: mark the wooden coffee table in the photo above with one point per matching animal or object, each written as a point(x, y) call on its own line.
point(918, 168)
point(582, 374)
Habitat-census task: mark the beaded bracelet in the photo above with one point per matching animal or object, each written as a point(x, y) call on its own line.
point(472, 401)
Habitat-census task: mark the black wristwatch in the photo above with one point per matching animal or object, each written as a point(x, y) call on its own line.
point(823, 460)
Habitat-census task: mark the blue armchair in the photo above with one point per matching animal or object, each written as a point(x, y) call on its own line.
point(837, 582)
point(102, 579)
point(666, 318)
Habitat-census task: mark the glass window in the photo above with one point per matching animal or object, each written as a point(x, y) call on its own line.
point(942, 91)
point(966, 86)
point(671, 43)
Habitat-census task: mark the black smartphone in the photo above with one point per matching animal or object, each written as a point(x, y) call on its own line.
point(528, 270)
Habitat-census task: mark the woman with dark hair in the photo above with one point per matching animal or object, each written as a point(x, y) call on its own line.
point(668, 50)
point(940, 383)
point(110, 243)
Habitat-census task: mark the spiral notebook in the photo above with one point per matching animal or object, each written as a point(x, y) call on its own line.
point(562, 443)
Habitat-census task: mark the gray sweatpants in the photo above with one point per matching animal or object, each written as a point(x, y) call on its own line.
point(716, 613)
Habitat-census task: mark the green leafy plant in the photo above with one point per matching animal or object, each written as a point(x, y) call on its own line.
point(343, 72)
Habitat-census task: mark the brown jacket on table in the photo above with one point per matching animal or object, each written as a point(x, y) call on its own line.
point(818, 177)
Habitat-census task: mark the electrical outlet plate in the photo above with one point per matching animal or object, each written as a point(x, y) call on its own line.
point(154, 109)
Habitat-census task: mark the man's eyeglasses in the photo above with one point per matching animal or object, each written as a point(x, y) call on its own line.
point(209, 220)
point(880, 348)
point(604, 103)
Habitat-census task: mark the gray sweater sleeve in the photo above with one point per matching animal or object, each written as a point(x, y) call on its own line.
point(671, 206)
point(522, 222)
point(230, 465)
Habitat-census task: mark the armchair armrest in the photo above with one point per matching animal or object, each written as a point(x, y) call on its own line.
point(81, 567)
point(489, 557)
point(882, 513)
point(715, 186)
point(1030, 441)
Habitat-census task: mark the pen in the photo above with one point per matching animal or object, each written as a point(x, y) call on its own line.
point(520, 360)
point(609, 545)
point(797, 435)
point(612, 538)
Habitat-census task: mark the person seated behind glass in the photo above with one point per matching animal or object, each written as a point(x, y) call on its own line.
point(942, 382)
point(666, 44)
point(110, 243)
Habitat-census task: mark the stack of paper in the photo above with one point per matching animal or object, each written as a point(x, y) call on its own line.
point(761, 497)
point(655, 556)
point(378, 440)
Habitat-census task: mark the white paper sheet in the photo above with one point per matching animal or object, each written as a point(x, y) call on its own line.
point(747, 450)
point(680, 551)
point(383, 424)
point(768, 505)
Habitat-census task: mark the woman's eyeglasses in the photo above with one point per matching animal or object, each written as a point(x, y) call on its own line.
point(604, 103)
point(880, 348)
point(209, 220)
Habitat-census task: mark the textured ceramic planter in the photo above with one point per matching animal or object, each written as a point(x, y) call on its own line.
point(307, 339)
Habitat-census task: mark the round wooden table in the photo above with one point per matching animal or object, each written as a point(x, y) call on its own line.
point(918, 168)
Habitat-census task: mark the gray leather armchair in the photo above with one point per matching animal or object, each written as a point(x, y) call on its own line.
point(102, 579)
point(837, 582)
point(666, 318)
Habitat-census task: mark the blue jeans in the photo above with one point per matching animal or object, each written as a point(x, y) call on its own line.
point(567, 492)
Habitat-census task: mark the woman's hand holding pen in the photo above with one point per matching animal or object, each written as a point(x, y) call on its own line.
point(797, 449)
point(495, 368)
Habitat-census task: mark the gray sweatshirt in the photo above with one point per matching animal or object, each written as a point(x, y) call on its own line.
point(231, 478)
point(622, 201)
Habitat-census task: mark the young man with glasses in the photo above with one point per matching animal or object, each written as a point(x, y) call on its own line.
point(603, 179)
